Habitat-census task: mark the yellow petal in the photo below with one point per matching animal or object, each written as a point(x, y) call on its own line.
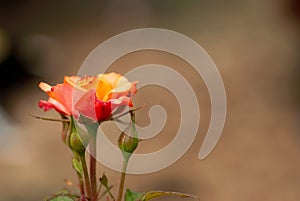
point(103, 88)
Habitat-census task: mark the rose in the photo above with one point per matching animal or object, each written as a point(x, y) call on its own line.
point(95, 97)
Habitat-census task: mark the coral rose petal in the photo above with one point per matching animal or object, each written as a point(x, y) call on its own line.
point(53, 104)
point(45, 87)
point(93, 108)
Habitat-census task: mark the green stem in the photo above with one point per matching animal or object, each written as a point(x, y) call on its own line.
point(92, 130)
point(93, 164)
point(81, 185)
point(98, 191)
point(79, 176)
point(122, 180)
point(86, 175)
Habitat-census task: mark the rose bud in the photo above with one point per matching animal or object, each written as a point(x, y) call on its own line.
point(78, 139)
point(127, 143)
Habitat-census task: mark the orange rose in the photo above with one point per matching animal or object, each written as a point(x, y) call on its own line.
point(94, 97)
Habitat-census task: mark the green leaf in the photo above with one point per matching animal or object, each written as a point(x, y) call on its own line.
point(136, 196)
point(63, 198)
point(133, 196)
point(77, 165)
point(107, 191)
point(156, 194)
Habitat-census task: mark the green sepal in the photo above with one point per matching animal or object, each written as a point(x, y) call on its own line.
point(104, 181)
point(78, 139)
point(66, 130)
point(85, 120)
point(129, 143)
point(77, 165)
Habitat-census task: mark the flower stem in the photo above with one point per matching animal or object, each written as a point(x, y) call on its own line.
point(122, 180)
point(92, 130)
point(81, 184)
point(86, 175)
point(93, 164)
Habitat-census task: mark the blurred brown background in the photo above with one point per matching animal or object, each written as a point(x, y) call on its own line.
point(255, 45)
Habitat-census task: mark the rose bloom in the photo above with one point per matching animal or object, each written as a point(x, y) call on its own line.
point(95, 97)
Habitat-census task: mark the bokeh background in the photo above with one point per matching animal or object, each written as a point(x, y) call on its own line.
point(255, 45)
